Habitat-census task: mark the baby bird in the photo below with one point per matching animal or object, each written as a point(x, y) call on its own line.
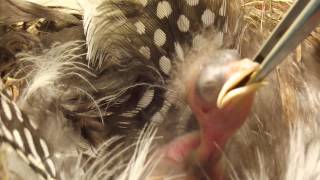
point(159, 92)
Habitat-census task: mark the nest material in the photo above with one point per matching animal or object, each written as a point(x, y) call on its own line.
point(265, 13)
point(258, 14)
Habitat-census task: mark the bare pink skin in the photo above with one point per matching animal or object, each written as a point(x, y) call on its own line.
point(216, 127)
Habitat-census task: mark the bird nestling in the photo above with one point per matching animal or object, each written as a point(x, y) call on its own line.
point(156, 90)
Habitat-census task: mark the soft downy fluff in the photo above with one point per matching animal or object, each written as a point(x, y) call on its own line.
point(104, 115)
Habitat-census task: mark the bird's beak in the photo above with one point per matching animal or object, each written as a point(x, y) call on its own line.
point(236, 87)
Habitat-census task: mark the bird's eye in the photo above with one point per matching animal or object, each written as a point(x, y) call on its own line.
point(210, 82)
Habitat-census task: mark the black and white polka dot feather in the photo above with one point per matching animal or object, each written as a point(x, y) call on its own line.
point(152, 31)
point(22, 135)
point(148, 38)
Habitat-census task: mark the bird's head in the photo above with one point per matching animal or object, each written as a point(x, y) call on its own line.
point(217, 93)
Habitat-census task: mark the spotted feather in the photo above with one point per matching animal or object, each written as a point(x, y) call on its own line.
point(17, 131)
point(151, 37)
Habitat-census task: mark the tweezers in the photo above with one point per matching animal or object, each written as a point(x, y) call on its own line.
point(302, 18)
